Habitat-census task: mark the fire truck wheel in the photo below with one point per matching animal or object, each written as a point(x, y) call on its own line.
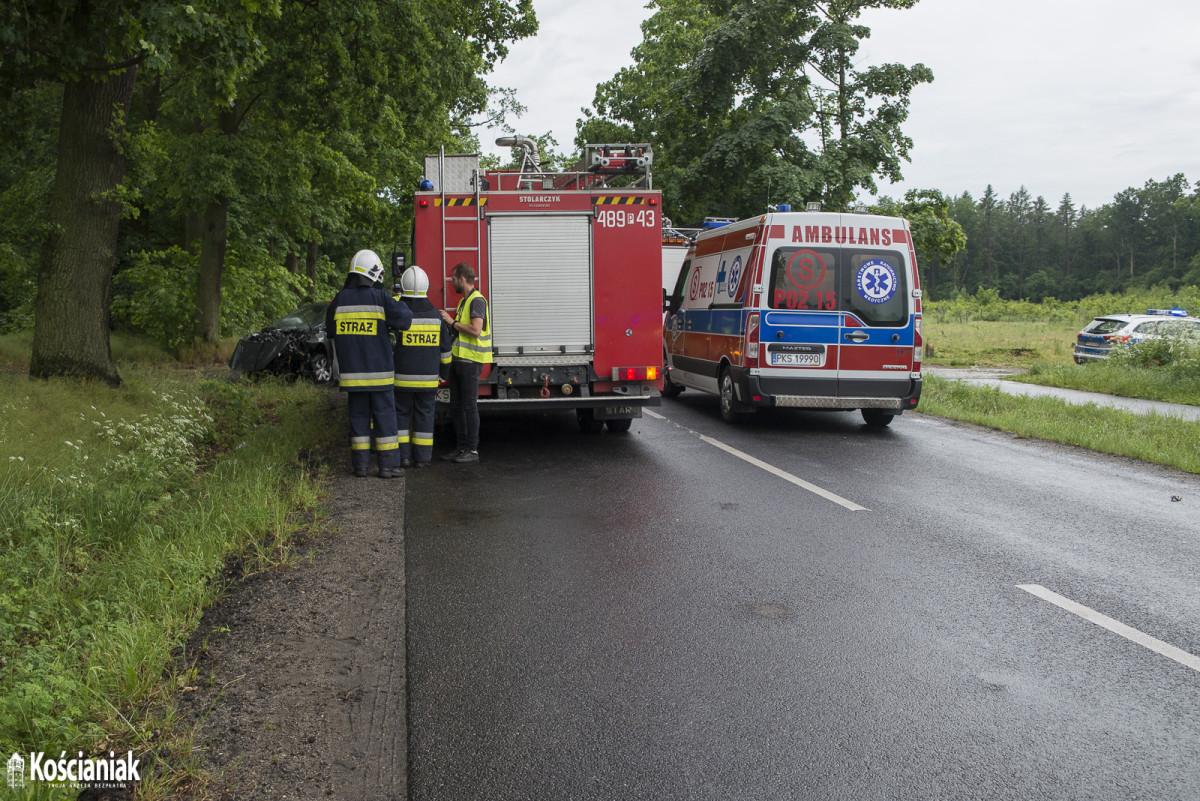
point(877, 417)
point(617, 426)
point(588, 423)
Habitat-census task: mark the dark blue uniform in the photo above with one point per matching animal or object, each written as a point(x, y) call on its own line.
point(358, 320)
point(422, 358)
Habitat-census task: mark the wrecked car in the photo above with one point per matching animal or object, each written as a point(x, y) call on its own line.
point(294, 345)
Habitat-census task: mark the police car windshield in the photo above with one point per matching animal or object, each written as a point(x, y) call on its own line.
point(872, 284)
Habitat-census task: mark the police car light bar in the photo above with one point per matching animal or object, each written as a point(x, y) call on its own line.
point(1169, 312)
point(634, 373)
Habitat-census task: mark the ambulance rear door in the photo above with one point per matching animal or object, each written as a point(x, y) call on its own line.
point(876, 341)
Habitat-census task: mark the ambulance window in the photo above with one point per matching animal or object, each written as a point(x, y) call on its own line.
point(680, 283)
point(876, 284)
point(803, 279)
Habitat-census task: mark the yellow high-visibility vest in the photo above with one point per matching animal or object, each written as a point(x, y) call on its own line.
point(475, 349)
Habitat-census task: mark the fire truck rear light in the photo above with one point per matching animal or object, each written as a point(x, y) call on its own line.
point(634, 373)
point(653, 201)
point(422, 203)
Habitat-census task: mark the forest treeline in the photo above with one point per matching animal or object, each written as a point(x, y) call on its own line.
point(1027, 249)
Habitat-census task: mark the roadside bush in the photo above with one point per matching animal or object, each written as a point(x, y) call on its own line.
point(1178, 355)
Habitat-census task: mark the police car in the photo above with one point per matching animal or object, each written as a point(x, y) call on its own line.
point(1096, 341)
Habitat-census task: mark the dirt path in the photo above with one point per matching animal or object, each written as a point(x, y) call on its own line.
point(301, 689)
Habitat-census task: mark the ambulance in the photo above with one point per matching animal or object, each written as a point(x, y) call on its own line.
point(808, 310)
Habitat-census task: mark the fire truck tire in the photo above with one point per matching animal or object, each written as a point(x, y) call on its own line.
point(878, 418)
point(588, 423)
point(617, 426)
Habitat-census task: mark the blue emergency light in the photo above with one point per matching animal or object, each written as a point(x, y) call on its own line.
point(1169, 312)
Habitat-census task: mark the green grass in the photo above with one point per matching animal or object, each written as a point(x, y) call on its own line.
point(982, 343)
point(118, 508)
point(1150, 383)
point(129, 351)
point(1150, 438)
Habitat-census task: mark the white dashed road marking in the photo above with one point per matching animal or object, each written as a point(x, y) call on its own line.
point(1115, 626)
point(772, 469)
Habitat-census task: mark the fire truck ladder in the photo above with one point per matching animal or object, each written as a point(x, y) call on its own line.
point(448, 258)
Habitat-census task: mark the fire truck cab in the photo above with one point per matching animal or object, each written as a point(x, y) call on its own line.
point(808, 310)
point(570, 266)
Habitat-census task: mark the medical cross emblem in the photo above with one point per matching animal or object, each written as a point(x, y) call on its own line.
point(876, 281)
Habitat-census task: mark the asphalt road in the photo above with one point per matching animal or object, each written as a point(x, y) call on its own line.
point(799, 607)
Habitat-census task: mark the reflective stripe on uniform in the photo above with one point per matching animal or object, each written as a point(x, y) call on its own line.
point(415, 381)
point(359, 312)
point(387, 443)
point(360, 443)
point(365, 379)
point(422, 439)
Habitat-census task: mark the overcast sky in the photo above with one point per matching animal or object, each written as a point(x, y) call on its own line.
point(1081, 96)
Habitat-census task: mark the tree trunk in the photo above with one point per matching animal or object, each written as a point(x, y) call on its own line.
point(70, 331)
point(213, 239)
point(310, 264)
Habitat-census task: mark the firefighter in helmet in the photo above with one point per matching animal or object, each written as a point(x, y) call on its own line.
point(422, 359)
point(358, 320)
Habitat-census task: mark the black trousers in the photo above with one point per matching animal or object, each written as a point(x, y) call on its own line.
point(464, 402)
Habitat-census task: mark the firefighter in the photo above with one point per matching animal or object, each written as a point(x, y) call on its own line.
point(358, 321)
point(470, 352)
point(422, 359)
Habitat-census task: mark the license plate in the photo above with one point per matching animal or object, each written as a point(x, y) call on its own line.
point(798, 359)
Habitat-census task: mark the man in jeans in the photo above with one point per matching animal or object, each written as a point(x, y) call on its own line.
point(471, 351)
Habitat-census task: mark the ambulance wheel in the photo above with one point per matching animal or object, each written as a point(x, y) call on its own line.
point(670, 388)
point(730, 412)
point(877, 417)
point(588, 423)
point(617, 426)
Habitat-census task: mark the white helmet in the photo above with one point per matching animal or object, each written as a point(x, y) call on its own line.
point(367, 263)
point(414, 283)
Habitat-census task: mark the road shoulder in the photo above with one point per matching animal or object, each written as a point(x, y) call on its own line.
point(301, 671)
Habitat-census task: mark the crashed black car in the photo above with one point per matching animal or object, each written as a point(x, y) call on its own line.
point(294, 345)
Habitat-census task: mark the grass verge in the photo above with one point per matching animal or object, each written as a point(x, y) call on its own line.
point(1160, 440)
point(118, 507)
point(1149, 383)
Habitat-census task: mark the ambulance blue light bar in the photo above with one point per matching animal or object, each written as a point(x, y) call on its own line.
point(1169, 312)
point(634, 373)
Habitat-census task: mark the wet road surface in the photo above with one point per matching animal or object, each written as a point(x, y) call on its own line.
point(799, 607)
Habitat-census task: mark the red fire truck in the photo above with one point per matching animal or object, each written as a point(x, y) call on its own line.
point(570, 264)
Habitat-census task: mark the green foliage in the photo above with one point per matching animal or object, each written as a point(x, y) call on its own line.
point(111, 532)
point(786, 115)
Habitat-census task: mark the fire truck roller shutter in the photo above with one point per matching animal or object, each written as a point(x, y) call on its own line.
point(541, 282)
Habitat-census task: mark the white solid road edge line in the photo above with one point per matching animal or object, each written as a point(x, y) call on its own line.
point(1115, 626)
point(786, 476)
